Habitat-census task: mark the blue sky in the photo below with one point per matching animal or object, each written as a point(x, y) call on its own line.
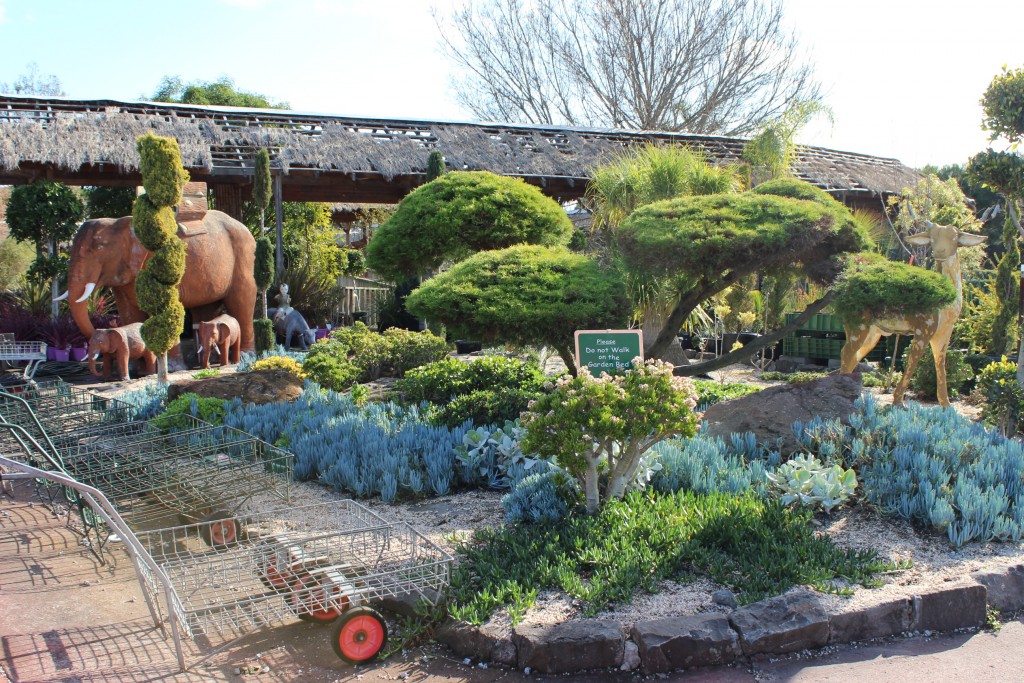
point(903, 77)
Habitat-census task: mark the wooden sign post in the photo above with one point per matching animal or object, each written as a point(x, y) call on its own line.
point(608, 351)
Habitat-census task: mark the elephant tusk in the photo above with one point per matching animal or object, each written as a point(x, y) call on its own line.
point(217, 350)
point(96, 357)
point(61, 297)
point(89, 286)
point(200, 349)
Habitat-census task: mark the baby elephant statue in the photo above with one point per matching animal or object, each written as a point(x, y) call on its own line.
point(222, 335)
point(290, 324)
point(117, 346)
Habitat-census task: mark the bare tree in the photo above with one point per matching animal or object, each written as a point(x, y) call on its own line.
point(33, 83)
point(703, 66)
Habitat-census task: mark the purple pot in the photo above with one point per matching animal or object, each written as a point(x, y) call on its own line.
point(321, 333)
point(60, 354)
point(79, 353)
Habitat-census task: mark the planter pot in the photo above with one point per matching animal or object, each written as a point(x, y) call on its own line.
point(79, 353)
point(463, 346)
point(51, 353)
point(321, 333)
point(60, 354)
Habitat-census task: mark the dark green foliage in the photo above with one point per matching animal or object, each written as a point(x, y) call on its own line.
point(526, 295)
point(485, 390)
point(167, 264)
point(263, 269)
point(261, 180)
point(162, 173)
point(109, 202)
point(39, 213)
point(1001, 171)
point(782, 225)
point(461, 213)
point(331, 370)
point(263, 334)
point(1007, 285)
point(219, 92)
point(435, 165)
point(391, 311)
point(176, 416)
point(351, 262)
point(406, 349)
point(874, 287)
point(758, 548)
point(924, 381)
point(1003, 102)
point(43, 211)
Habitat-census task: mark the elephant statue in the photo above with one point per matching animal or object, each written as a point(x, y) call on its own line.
point(288, 323)
point(221, 334)
point(116, 346)
point(219, 255)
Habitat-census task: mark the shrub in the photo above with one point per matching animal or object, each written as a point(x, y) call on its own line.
point(407, 350)
point(803, 479)
point(709, 392)
point(487, 390)
point(609, 422)
point(207, 372)
point(925, 382)
point(330, 370)
point(460, 213)
point(1004, 397)
point(793, 377)
point(210, 410)
point(263, 334)
point(279, 363)
point(147, 402)
point(494, 457)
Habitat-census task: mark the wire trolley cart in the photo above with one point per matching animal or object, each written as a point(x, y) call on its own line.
point(329, 563)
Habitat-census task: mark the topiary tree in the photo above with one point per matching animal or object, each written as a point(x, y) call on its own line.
point(458, 214)
point(710, 242)
point(874, 287)
point(263, 270)
point(435, 165)
point(156, 228)
point(45, 213)
point(526, 294)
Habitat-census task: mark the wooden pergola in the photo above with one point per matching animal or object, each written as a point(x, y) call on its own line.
point(341, 159)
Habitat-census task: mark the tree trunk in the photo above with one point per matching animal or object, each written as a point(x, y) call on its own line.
point(161, 369)
point(54, 287)
point(590, 485)
point(570, 361)
point(651, 326)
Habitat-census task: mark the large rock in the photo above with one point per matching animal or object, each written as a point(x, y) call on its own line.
point(769, 413)
point(1005, 587)
point(685, 642)
point(950, 608)
point(487, 643)
point(789, 623)
point(570, 646)
point(257, 386)
point(879, 621)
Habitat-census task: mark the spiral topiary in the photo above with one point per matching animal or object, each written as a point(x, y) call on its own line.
point(153, 219)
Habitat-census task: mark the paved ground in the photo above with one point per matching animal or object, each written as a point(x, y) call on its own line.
point(65, 618)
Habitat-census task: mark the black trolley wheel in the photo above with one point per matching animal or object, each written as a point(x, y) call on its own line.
point(359, 635)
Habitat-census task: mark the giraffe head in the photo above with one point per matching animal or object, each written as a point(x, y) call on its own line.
point(944, 240)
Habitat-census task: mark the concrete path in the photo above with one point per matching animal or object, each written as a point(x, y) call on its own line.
point(66, 618)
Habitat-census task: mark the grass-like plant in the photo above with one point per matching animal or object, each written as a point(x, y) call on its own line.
point(756, 547)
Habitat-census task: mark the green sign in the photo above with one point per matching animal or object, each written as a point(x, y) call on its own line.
point(608, 351)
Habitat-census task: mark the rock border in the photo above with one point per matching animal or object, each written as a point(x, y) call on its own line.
point(787, 623)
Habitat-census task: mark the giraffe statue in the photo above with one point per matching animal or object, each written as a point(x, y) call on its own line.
point(931, 327)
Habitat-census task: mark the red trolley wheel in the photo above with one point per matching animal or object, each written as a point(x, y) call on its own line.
point(312, 602)
point(219, 529)
point(359, 635)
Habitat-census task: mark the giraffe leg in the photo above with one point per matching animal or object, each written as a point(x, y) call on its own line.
point(916, 351)
point(941, 389)
point(859, 343)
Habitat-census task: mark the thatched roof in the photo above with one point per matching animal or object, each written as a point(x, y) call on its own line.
point(93, 141)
